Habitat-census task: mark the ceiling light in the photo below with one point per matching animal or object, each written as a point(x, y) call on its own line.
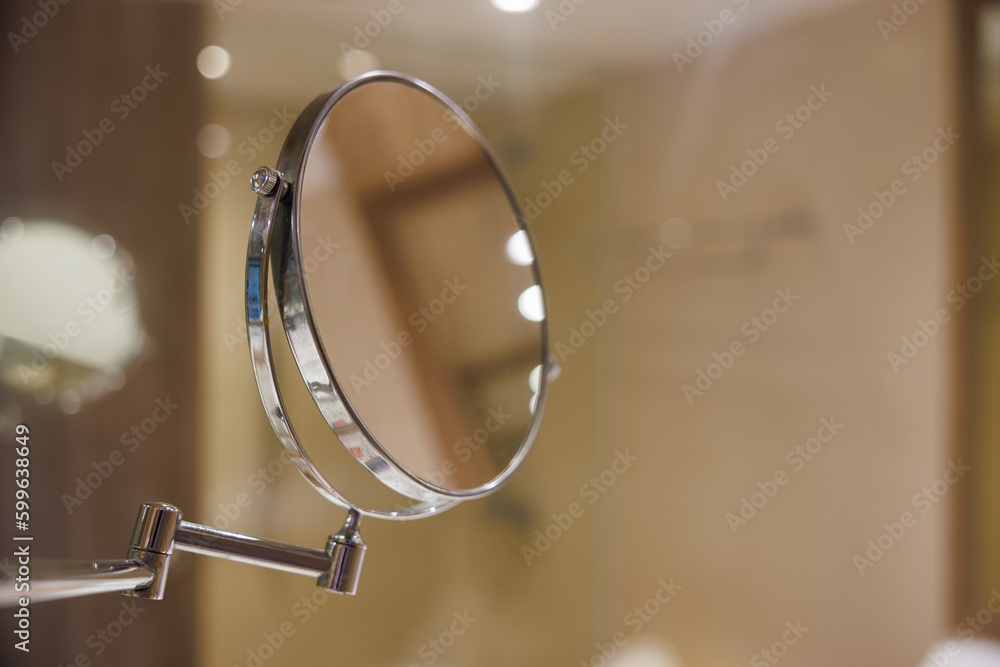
point(213, 62)
point(515, 6)
point(519, 249)
point(531, 305)
point(213, 140)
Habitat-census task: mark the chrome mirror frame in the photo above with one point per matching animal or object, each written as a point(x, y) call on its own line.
point(273, 245)
point(274, 239)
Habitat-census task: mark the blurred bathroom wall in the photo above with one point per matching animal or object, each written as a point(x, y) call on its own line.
point(833, 367)
point(738, 414)
point(98, 107)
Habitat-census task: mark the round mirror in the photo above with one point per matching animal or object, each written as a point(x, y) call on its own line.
point(408, 291)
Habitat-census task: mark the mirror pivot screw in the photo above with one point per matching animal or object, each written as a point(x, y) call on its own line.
point(264, 181)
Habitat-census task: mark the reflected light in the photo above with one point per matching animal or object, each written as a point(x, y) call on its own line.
point(533, 403)
point(519, 249)
point(535, 378)
point(515, 6)
point(647, 651)
point(213, 140)
point(530, 304)
point(213, 62)
point(356, 62)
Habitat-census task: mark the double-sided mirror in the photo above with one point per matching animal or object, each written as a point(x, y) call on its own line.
point(420, 337)
point(406, 284)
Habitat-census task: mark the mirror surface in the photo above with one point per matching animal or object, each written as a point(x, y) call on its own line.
point(422, 283)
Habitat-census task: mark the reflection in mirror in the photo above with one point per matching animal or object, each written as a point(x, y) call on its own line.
point(71, 328)
point(336, 462)
point(422, 284)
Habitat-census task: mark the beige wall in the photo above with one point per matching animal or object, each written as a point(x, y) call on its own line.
point(64, 82)
point(826, 357)
point(665, 517)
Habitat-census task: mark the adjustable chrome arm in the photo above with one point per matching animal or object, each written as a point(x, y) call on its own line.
point(338, 567)
point(55, 580)
point(244, 549)
point(159, 530)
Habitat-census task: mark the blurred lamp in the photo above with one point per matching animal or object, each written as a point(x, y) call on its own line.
point(69, 316)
